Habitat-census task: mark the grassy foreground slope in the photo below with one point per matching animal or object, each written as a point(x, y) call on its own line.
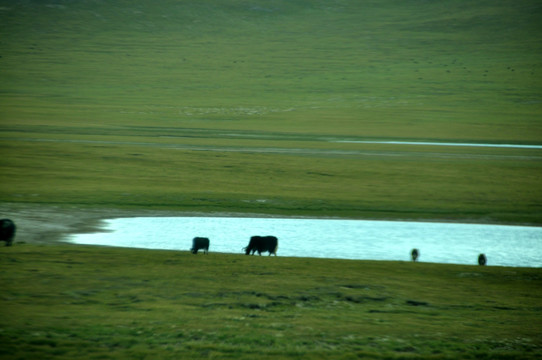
point(67, 302)
point(233, 106)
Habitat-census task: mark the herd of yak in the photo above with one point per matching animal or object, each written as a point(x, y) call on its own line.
point(270, 244)
point(258, 244)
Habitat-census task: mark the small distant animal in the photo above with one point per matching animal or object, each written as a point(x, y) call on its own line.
point(200, 243)
point(7, 231)
point(414, 254)
point(262, 244)
point(482, 260)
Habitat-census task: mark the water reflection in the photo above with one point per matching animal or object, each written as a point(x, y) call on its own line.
point(343, 239)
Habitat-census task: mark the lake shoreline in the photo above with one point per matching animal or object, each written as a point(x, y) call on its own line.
point(454, 243)
point(45, 224)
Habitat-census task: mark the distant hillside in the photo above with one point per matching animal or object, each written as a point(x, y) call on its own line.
point(427, 62)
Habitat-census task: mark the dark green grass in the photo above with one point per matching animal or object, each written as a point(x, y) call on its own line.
point(170, 104)
point(69, 301)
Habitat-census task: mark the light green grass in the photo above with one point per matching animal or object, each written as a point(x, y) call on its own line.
point(448, 66)
point(394, 184)
point(70, 301)
point(145, 80)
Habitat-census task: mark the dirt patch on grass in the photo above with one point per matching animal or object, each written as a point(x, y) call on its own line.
point(38, 223)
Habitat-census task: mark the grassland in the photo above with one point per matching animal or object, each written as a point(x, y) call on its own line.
point(216, 106)
point(66, 301)
point(237, 106)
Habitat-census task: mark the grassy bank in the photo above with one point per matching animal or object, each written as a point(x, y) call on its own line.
point(231, 106)
point(319, 181)
point(69, 301)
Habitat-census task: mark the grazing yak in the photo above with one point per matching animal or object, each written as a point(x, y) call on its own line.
point(262, 244)
point(7, 231)
point(482, 260)
point(200, 243)
point(414, 254)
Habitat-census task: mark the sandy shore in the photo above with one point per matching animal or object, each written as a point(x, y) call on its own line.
point(37, 223)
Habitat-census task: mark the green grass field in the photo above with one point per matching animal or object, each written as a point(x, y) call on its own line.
point(241, 106)
point(67, 301)
point(232, 106)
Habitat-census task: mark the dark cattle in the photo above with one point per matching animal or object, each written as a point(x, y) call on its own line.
point(7, 231)
point(482, 260)
point(200, 243)
point(415, 253)
point(262, 244)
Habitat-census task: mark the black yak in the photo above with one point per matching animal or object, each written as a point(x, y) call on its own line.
point(200, 243)
point(262, 244)
point(414, 254)
point(7, 231)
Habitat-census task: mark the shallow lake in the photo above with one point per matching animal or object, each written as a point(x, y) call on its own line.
point(327, 238)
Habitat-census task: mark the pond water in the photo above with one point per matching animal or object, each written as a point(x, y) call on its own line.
point(327, 238)
point(425, 143)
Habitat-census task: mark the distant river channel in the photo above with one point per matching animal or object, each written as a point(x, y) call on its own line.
point(518, 246)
